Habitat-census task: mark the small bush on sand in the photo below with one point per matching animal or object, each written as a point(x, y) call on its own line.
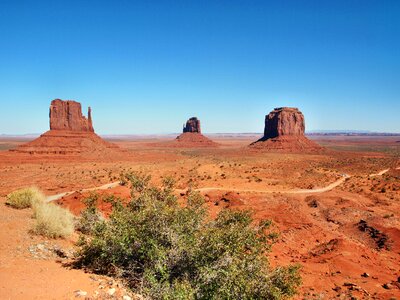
point(53, 221)
point(50, 220)
point(166, 250)
point(90, 215)
point(25, 198)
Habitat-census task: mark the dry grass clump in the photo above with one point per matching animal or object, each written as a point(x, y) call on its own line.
point(50, 220)
point(25, 198)
point(53, 221)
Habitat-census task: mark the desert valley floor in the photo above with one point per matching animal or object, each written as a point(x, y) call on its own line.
point(337, 212)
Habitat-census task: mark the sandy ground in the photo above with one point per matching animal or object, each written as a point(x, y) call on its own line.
point(27, 275)
point(318, 224)
point(32, 267)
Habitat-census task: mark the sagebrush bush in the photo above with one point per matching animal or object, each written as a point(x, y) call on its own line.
point(52, 220)
point(25, 198)
point(165, 250)
point(90, 216)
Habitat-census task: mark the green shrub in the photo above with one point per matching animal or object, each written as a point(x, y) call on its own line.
point(52, 221)
point(25, 198)
point(165, 250)
point(90, 216)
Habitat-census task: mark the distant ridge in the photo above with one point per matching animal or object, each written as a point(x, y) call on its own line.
point(217, 134)
point(351, 133)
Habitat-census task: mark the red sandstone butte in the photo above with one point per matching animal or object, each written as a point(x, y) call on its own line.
point(192, 125)
point(67, 115)
point(284, 131)
point(192, 137)
point(70, 133)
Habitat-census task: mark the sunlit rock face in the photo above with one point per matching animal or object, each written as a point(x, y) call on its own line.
point(284, 121)
point(67, 115)
point(284, 132)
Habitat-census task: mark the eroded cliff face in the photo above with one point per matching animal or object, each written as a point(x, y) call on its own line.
point(192, 137)
point(67, 115)
point(192, 125)
point(70, 133)
point(284, 131)
point(284, 121)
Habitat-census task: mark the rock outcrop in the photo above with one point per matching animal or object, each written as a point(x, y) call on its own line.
point(67, 115)
point(284, 131)
point(70, 133)
point(192, 137)
point(284, 121)
point(192, 125)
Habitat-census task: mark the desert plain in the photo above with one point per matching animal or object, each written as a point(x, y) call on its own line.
point(336, 212)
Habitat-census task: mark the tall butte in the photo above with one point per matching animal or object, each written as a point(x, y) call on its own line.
point(67, 115)
point(192, 136)
point(284, 131)
point(192, 125)
point(70, 133)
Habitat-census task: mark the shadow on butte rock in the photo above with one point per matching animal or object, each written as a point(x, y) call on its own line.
point(284, 131)
point(70, 133)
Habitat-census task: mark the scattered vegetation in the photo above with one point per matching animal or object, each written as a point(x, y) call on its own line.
point(25, 198)
point(387, 216)
point(52, 220)
point(90, 216)
point(166, 250)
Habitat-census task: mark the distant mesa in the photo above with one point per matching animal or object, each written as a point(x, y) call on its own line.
point(192, 137)
point(67, 115)
point(284, 131)
point(70, 133)
point(192, 125)
point(284, 121)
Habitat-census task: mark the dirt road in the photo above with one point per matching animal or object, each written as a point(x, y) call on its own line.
point(103, 187)
point(207, 189)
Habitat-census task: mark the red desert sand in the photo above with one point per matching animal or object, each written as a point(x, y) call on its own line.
point(336, 211)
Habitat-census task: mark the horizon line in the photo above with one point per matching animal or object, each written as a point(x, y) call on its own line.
point(316, 132)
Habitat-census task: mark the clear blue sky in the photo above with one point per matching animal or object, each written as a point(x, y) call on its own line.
point(145, 67)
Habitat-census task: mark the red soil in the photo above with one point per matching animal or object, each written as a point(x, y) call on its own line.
point(75, 201)
point(29, 269)
point(191, 140)
point(319, 232)
point(287, 143)
point(60, 142)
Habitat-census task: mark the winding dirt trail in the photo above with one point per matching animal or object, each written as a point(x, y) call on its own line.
point(296, 191)
point(103, 187)
point(380, 173)
point(207, 189)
